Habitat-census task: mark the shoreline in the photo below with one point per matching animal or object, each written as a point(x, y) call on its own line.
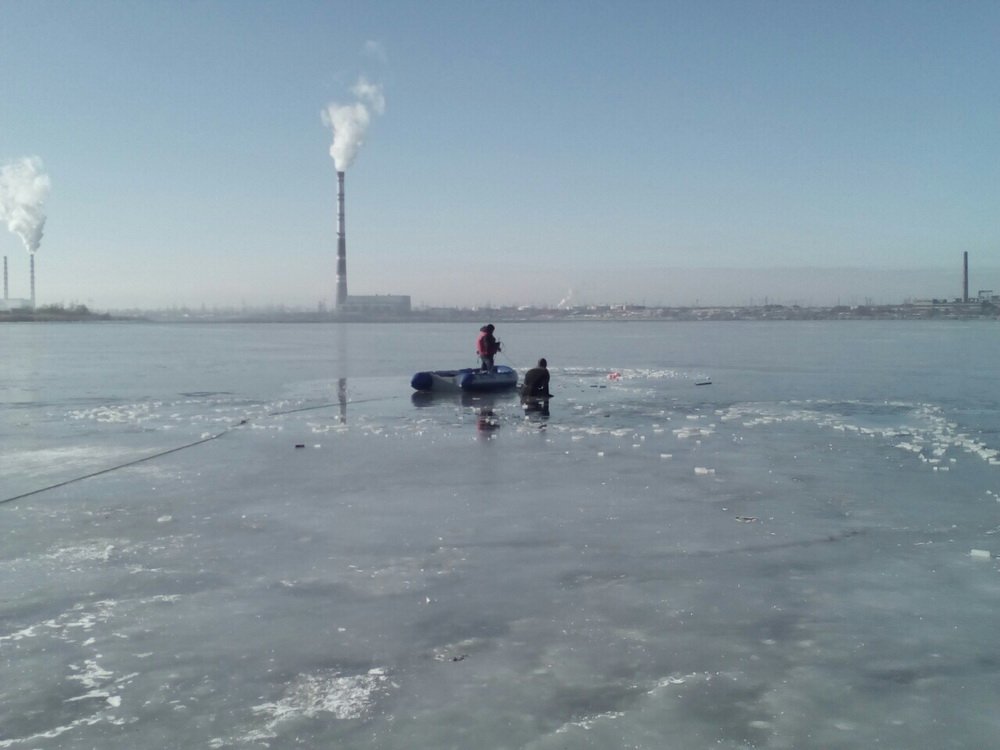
point(933, 311)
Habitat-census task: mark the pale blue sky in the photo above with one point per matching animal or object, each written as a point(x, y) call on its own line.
point(658, 152)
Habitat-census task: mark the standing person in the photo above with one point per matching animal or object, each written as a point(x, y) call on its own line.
point(487, 346)
point(536, 383)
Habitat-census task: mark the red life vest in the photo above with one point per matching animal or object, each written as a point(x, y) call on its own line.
point(486, 345)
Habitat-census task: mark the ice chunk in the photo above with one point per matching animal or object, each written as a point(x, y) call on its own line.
point(980, 554)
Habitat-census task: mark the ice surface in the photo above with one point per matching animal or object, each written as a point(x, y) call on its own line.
point(451, 572)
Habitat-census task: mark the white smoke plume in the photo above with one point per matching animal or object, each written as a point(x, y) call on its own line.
point(24, 186)
point(350, 121)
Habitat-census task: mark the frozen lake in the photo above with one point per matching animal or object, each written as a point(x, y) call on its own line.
point(801, 554)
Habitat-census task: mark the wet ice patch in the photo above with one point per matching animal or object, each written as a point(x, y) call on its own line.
point(135, 414)
point(80, 619)
point(325, 693)
point(98, 551)
point(590, 722)
point(618, 374)
point(99, 690)
point(919, 429)
point(684, 433)
point(163, 415)
point(41, 462)
point(403, 574)
point(91, 675)
point(456, 652)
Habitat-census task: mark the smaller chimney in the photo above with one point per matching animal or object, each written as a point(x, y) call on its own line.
point(965, 276)
point(5, 294)
point(32, 281)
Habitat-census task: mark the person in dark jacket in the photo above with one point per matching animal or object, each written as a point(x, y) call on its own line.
point(536, 382)
point(487, 346)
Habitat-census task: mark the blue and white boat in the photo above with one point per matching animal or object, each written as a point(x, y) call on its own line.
point(467, 379)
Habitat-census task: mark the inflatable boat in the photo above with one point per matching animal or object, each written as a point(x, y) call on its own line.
point(467, 379)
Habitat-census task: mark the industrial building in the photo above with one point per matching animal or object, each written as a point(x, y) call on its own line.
point(7, 304)
point(375, 304)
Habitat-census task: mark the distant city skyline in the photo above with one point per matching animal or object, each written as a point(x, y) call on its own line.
point(514, 153)
point(812, 287)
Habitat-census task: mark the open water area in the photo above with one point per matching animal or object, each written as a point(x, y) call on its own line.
point(724, 535)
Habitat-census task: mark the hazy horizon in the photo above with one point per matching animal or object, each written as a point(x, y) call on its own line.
point(675, 287)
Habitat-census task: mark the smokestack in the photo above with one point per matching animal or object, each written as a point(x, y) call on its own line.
point(349, 123)
point(32, 281)
point(5, 294)
point(965, 276)
point(341, 244)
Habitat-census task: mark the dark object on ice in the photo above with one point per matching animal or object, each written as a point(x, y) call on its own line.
point(535, 389)
point(300, 445)
point(467, 379)
point(704, 382)
point(536, 382)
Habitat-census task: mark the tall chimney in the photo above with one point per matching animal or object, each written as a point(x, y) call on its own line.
point(965, 276)
point(341, 245)
point(5, 294)
point(32, 281)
